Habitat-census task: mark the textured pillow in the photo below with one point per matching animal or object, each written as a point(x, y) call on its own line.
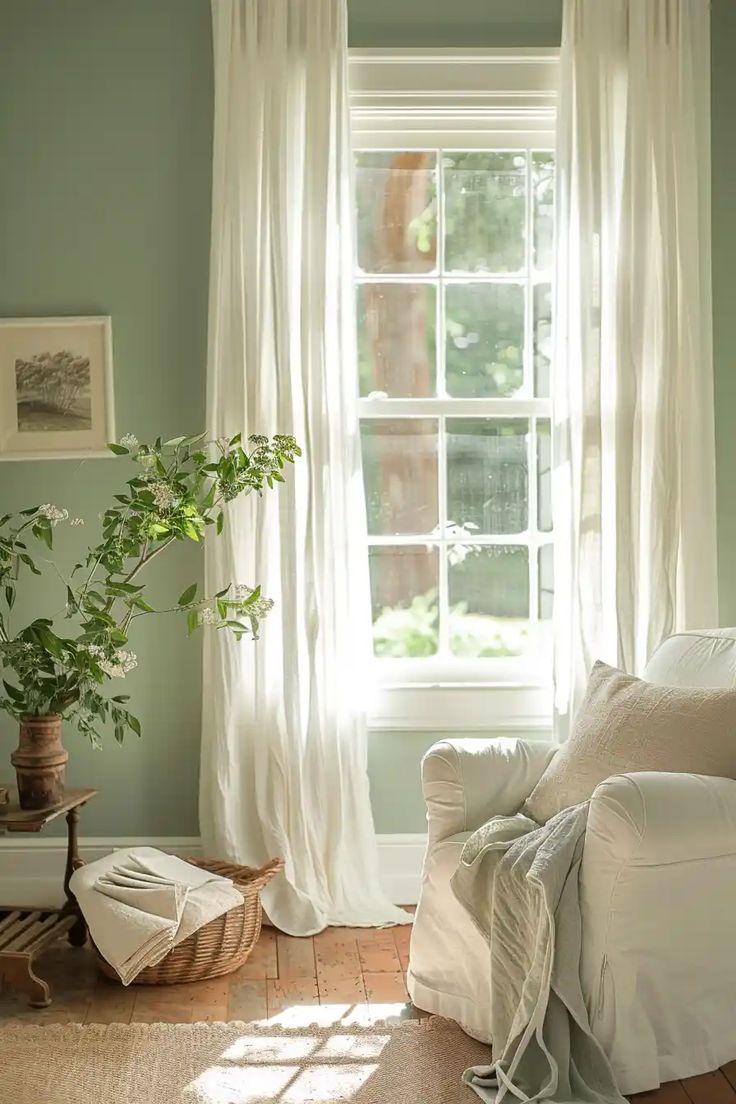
point(626, 724)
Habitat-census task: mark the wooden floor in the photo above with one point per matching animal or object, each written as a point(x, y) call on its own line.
point(339, 966)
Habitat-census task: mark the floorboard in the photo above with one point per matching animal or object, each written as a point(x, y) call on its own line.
point(363, 967)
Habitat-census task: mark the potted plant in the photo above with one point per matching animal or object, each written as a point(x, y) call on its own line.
point(179, 491)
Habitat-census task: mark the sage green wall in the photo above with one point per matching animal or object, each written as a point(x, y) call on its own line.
point(454, 22)
point(105, 167)
point(105, 160)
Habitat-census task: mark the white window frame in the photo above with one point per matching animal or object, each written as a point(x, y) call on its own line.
point(457, 99)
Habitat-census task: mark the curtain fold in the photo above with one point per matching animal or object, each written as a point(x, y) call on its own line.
point(634, 468)
point(284, 746)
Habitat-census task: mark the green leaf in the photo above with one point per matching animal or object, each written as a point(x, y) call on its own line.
point(43, 534)
point(121, 698)
point(10, 596)
point(220, 522)
point(14, 692)
point(192, 621)
point(135, 724)
point(174, 442)
point(123, 588)
point(187, 597)
point(47, 639)
point(119, 450)
point(142, 604)
point(209, 499)
point(189, 531)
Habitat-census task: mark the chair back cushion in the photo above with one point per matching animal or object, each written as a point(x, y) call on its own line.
point(626, 724)
point(706, 657)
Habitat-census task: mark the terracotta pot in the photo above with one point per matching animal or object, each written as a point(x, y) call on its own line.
point(39, 762)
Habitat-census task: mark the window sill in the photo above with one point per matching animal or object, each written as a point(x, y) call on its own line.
point(469, 707)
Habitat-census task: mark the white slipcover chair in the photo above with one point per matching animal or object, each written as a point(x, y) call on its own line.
point(657, 887)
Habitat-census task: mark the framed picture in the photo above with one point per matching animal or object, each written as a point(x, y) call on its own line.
point(56, 390)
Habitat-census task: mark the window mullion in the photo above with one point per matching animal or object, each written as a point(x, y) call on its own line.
point(532, 527)
point(444, 607)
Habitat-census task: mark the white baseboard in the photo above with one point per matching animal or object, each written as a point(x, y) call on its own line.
point(32, 868)
point(400, 859)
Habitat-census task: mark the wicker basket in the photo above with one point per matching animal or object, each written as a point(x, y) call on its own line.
point(220, 946)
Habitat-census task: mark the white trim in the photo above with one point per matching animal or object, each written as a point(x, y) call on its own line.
point(445, 99)
point(32, 868)
point(445, 707)
point(454, 96)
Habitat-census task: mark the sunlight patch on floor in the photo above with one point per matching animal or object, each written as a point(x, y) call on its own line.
point(325, 1015)
point(300, 1069)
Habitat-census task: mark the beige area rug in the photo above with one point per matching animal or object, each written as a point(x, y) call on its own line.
point(416, 1062)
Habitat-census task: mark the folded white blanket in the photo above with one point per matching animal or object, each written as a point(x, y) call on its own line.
point(139, 903)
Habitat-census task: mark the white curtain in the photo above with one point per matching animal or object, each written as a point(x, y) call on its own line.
point(634, 478)
point(283, 768)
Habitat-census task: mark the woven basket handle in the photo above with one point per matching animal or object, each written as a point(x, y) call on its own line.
point(249, 877)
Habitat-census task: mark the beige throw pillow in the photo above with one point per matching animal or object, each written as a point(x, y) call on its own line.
point(626, 724)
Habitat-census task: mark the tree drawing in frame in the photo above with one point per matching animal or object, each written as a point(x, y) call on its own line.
point(53, 393)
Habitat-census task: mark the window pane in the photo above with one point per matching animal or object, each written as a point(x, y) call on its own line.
point(404, 585)
point(396, 339)
point(485, 340)
point(485, 211)
point(543, 184)
point(397, 211)
point(544, 475)
point(487, 474)
point(400, 474)
point(489, 600)
point(542, 339)
point(546, 581)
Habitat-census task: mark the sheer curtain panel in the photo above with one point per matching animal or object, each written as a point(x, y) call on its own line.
point(634, 478)
point(284, 742)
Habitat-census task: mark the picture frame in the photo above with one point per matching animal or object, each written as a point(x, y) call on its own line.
point(56, 388)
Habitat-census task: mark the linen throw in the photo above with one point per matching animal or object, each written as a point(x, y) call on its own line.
point(519, 883)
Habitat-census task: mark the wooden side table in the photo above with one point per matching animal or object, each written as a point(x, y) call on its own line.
point(25, 932)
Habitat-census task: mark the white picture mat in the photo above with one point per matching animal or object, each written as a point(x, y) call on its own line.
point(22, 338)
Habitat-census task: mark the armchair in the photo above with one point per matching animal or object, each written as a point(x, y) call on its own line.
point(657, 888)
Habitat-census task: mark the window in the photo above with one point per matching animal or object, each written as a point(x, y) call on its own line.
point(454, 214)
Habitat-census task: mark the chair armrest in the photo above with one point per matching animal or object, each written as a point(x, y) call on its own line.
point(467, 781)
point(659, 817)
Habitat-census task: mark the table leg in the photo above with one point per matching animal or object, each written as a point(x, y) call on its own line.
point(19, 972)
point(78, 933)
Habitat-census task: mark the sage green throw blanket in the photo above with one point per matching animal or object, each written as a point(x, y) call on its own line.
point(519, 882)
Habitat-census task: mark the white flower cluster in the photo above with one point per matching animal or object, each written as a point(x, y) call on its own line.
point(260, 608)
point(208, 616)
point(53, 513)
point(77, 521)
point(129, 441)
point(116, 666)
point(163, 496)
